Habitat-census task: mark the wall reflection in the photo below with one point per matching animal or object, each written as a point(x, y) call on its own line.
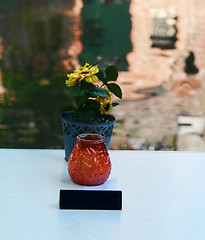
point(40, 43)
point(76, 46)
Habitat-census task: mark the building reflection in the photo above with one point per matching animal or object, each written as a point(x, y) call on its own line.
point(47, 39)
point(123, 41)
point(2, 88)
point(148, 67)
point(76, 47)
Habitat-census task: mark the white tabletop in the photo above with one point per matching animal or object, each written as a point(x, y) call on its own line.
point(163, 197)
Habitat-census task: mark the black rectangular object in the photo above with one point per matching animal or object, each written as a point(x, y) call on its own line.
point(91, 199)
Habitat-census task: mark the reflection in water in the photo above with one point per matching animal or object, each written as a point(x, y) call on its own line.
point(38, 41)
point(106, 32)
point(32, 73)
point(76, 46)
point(2, 89)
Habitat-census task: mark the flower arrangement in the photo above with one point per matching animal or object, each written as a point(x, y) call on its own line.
point(92, 92)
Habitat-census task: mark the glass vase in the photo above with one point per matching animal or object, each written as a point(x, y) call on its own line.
point(89, 163)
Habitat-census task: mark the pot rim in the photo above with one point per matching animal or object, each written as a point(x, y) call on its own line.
point(110, 119)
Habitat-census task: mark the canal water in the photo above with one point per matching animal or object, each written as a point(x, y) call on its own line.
point(39, 42)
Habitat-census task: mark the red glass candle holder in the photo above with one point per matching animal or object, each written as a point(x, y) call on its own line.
point(89, 163)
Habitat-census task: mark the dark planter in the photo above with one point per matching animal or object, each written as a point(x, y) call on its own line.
point(71, 129)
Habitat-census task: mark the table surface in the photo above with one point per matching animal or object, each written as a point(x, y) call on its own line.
point(163, 197)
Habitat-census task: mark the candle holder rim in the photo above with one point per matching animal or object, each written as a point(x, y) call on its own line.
point(96, 138)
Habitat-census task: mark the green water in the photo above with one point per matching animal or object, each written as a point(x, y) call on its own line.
point(34, 36)
point(106, 33)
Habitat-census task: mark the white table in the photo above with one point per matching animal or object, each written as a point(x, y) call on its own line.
point(163, 197)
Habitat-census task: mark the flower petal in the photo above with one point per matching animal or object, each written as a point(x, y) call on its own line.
point(94, 78)
point(88, 79)
point(71, 83)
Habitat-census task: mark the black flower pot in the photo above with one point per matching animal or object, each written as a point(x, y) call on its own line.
point(71, 129)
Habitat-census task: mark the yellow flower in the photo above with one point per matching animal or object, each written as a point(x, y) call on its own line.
point(105, 105)
point(73, 80)
point(86, 72)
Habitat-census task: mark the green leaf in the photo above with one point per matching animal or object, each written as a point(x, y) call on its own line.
point(76, 91)
point(81, 100)
point(100, 76)
point(101, 92)
point(111, 74)
point(114, 104)
point(66, 109)
point(95, 91)
point(92, 104)
point(89, 111)
point(89, 115)
point(115, 89)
